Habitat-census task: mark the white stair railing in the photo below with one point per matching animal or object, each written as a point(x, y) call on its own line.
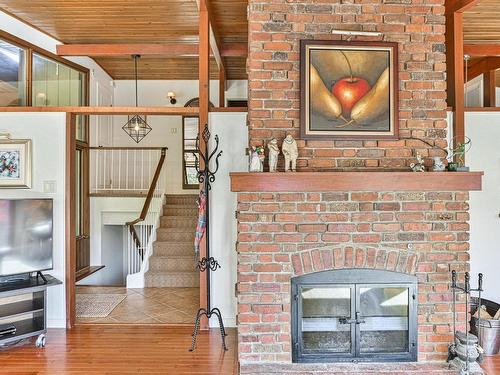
point(122, 169)
point(141, 233)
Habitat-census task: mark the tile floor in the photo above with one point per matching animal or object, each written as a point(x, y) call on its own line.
point(148, 305)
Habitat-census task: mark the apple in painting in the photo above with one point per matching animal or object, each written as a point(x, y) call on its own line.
point(348, 91)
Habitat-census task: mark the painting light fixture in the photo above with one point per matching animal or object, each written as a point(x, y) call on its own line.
point(171, 97)
point(352, 33)
point(136, 127)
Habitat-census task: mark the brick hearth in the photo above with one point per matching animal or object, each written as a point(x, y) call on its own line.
point(286, 234)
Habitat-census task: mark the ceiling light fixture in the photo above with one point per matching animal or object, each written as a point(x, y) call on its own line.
point(136, 127)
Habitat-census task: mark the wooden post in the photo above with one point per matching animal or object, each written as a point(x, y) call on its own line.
point(222, 87)
point(489, 89)
point(455, 71)
point(204, 96)
point(455, 62)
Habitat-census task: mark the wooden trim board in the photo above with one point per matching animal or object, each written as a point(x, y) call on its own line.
point(355, 181)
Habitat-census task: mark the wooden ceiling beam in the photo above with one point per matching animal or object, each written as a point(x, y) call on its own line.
point(168, 49)
point(459, 6)
point(486, 64)
point(475, 50)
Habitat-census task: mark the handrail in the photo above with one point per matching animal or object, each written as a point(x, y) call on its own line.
point(126, 148)
point(147, 202)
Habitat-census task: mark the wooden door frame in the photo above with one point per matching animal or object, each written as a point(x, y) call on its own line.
point(70, 220)
point(83, 146)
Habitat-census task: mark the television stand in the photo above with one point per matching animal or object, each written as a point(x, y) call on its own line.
point(23, 309)
point(40, 274)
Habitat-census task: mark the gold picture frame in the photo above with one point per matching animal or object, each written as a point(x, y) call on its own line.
point(349, 90)
point(15, 163)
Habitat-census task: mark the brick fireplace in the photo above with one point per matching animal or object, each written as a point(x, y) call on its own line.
point(316, 220)
point(297, 224)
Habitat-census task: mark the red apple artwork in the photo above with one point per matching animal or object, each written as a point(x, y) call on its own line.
point(349, 91)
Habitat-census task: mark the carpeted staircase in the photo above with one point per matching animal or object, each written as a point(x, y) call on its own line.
point(172, 262)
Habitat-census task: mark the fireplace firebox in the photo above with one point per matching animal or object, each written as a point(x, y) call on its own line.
point(354, 315)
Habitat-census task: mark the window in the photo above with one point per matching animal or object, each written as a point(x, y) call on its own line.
point(190, 153)
point(53, 81)
point(189, 150)
point(12, 75)
point(56, 85)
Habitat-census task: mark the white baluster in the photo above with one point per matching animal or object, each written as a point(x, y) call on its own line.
point(126, 171)
point(119, 169)
point(135, 165)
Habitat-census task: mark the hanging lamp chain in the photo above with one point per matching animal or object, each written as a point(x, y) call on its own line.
point(136, 78)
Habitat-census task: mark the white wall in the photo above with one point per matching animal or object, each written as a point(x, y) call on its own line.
point(48, 134)
point(108, 211)
point(166, 130)
point(232, 131)
point(483, 128)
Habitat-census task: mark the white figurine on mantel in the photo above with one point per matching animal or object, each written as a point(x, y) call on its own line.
point(273, 154)
point(419, 165)
point(291, 153)
point(257, 159)
point(438, 164)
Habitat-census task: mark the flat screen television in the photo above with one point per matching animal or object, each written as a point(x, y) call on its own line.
point(26, 236)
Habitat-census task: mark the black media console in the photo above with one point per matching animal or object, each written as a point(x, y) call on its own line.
point(23, 309)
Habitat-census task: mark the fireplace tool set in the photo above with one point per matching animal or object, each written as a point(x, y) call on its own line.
point(207, 264)
point(465, 353)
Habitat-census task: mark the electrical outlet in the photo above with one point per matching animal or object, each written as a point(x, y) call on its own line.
point(173, 130)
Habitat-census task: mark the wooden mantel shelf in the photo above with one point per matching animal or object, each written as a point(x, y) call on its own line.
point(355, 181)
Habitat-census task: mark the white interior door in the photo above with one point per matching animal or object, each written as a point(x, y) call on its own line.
point(483, 128)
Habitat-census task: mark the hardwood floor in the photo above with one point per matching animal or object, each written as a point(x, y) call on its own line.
point(122, 351)
point(491, 365)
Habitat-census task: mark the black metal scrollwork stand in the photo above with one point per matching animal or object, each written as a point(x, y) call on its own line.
point(208, 263)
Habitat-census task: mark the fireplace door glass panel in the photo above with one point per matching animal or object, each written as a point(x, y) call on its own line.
point(325, 315)
point(383, 316)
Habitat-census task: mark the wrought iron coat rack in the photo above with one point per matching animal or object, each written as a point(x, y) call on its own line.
point(208, 263)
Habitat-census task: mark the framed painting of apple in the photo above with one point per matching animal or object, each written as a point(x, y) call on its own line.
point(349, 90)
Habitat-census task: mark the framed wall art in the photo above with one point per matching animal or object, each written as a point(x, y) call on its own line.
point(15, 163)
point(349, 90)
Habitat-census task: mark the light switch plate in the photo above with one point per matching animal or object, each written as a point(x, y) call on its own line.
point(173, 130)
point(49, 187)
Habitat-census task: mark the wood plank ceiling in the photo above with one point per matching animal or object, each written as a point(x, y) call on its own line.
point(137, 21)
point(482, 26)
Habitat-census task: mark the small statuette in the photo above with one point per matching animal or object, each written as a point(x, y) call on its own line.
point(438, 165)
point(291, 153)
point(419, 165)
point(273, 154)
point(257, 159)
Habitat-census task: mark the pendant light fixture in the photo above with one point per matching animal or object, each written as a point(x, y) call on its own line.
point(136, 127)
